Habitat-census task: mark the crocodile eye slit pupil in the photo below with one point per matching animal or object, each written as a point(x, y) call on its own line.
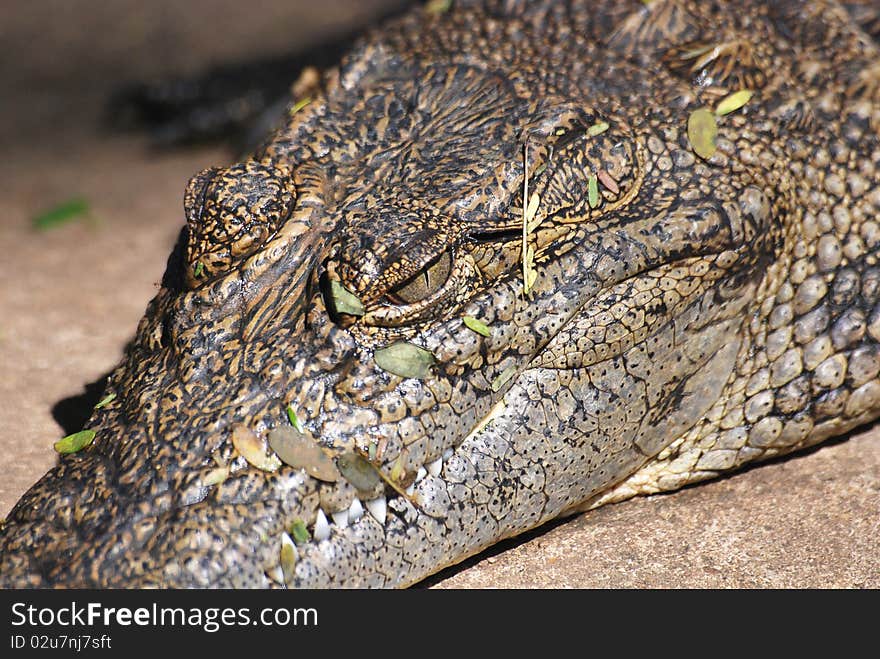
point(424, 284)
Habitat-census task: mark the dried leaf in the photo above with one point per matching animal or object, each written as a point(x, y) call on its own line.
point(529, 274)
point(531, 278)
point(532, 208)
point(287, 556)
point(608, 181)
point(733, 102)
point(253, 449)
point(405, 359)
point(216, 476)
point(300, 451)
point(398, 471)
point(357, 471)
point(526, 262)
point(702, 131)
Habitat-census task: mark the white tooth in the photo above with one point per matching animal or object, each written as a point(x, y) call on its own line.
point(411, 489)
point(288, 558)
point(378, 508)
point(322, 526)
point(276, 574)
point(435, 467)
point(340, 518)
point(420, 474)
point(355, 511)
point(447, 454)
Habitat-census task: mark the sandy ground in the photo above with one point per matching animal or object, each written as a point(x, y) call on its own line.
point(72, 297)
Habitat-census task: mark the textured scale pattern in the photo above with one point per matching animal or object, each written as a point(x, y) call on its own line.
point(688, 316)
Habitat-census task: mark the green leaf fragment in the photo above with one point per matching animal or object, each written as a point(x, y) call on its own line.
point(60, 214)
point(344, 301)
point(299, 105)
point(477, 326)
point(75, 442)
point(438, 6)
point(294, 419)
point(357, 471)
point(702, 131)
point(199, 270)
point(503, 378)
point(405, 359)
point(299, 532)
point(106, 400)
point(597, 128)
point(593, 190)
point(733, 102)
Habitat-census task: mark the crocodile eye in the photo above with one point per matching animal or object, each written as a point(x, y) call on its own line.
point(425, 283)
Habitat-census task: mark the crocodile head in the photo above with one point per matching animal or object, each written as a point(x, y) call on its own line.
point(453, 297)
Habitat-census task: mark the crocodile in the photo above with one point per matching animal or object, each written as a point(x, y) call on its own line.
point(507, 261)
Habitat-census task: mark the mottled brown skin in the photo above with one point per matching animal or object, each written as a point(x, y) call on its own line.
point(697, 316)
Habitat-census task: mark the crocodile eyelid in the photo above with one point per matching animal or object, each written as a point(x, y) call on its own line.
point(461, 271)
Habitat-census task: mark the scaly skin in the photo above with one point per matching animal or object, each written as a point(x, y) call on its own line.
point(695, 315)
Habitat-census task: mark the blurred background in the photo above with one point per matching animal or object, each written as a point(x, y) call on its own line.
point(108, 208)
point(63, 58)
